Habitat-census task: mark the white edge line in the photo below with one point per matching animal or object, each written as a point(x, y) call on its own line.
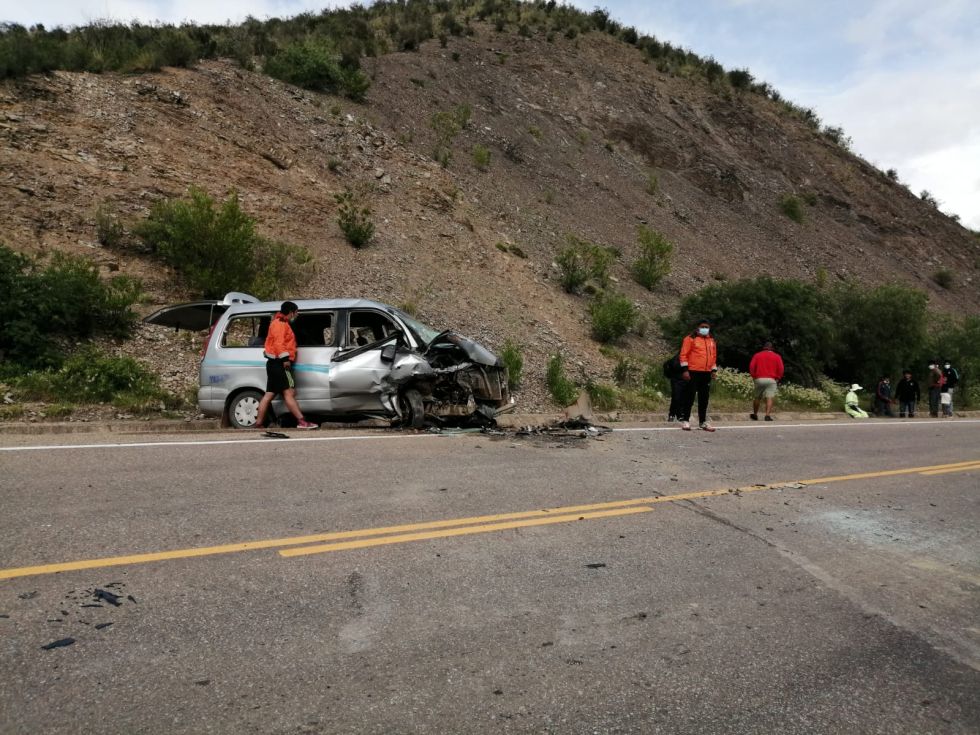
point(297, 439)
point(814, 425)
point(209, 442)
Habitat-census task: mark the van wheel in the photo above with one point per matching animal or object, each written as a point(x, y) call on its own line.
point(413, 413)
point(244, 409)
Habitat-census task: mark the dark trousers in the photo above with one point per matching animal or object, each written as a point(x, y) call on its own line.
point(699, 385)
point(677, 388)
point(934, 401)
point(906, 407)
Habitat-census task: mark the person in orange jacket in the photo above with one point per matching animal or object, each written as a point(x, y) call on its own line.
point(699, 363)
point(280, 354)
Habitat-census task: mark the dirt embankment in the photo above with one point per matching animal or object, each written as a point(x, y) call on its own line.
point(574, 129)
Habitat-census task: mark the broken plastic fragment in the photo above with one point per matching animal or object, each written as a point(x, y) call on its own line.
point(101, 594)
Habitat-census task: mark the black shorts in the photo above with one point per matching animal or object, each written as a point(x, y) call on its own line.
point(278, 378)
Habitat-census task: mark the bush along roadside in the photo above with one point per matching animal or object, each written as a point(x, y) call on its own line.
point(85, 378)
point(215, 249)
point(46, 305)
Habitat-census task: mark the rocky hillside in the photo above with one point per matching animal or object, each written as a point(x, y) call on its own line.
point(575, 128)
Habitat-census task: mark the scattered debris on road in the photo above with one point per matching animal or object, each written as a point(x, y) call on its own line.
point(60, 643)
point(101, 594)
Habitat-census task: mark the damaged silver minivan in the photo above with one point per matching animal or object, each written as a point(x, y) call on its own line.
point(355, 359)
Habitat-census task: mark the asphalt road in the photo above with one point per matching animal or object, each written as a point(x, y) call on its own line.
point(804, 579)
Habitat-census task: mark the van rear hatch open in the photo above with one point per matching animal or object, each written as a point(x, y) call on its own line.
point(197, 316)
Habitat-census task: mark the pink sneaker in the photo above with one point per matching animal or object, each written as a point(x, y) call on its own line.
point(307, 425)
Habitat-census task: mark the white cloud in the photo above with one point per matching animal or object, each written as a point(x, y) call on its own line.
point(955, 185)
point(66, 13)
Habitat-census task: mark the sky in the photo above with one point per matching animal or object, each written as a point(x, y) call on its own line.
point(901, 77)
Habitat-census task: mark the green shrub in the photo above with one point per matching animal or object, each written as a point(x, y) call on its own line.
point(730, 383)
point(740, 78)
point(88, 376)
point(613, 316)
point(563, 391)
point(957, 340)
point(354, 220)
point(604, 397)
point(654, 261)
point(216, 250)
point(315, 64)
point(447, 124)
point(513, 358)
point(277, 266)
point(624, 372)
point(747, 312)
point(867, 343)
point(108, 229)
point(943, 278)
point(653, 378)
point(481, 157)
point(792, 207)
point(838, 136)
point(847, 332)
point(581, 261)
point(44, 305)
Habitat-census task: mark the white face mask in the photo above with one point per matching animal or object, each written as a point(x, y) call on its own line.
point(946, 366)
point(703, 331)
point(932, 367)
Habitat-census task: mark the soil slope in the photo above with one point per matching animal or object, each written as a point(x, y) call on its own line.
point(574, 128)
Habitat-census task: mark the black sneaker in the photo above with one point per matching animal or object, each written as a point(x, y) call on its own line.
point(769, 418)
point(754, 416)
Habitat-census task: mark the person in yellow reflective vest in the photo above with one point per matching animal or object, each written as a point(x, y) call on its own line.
point(851, 406)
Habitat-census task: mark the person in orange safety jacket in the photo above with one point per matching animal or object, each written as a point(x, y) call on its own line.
point(280, 354)
point(699, 363)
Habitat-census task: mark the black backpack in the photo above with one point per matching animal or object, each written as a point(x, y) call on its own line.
point(672, 367)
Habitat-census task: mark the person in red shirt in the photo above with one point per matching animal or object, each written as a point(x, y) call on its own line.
point(280, 354)
point(766, 369)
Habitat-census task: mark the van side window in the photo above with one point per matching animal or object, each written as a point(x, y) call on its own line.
point(315, 329)
point(248, 330)
point(368, 327)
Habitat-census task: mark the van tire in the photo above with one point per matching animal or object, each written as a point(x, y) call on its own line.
point(243, 409)
point(413, 412)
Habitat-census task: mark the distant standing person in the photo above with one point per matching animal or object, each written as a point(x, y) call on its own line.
point(280, 355)
point(672, 371)
point(951, 379)
point(908, 394)
point(766, 369)
point(851, 406)
point(699, 363)
point(883, 397)
point(935, 388)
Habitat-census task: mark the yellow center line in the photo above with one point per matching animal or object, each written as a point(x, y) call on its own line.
point(475, 523)
point(466, 530)
point(967, 468)
point(888, 473)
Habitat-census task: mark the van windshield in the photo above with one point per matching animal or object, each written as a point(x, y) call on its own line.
point(422, 332)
